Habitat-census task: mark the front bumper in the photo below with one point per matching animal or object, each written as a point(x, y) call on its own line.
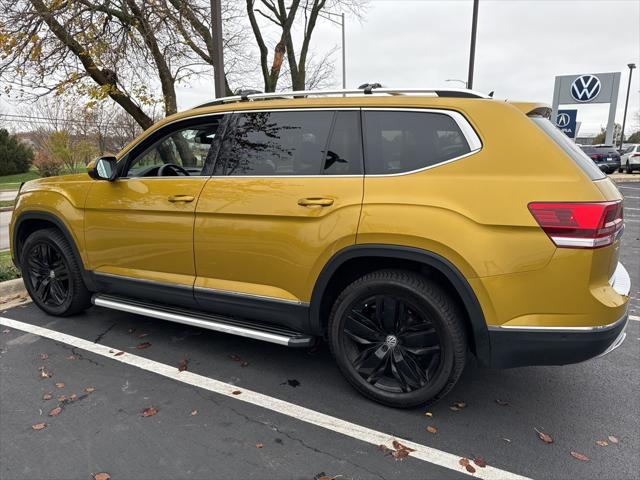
point(518, 346)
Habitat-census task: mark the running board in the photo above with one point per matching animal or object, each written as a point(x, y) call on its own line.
point(218, 323)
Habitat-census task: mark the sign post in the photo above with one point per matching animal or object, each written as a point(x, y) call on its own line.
point(588, 88)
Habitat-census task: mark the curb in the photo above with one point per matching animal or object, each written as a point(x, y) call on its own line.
point(12, 287)
point(624, 178)
point(6, 209)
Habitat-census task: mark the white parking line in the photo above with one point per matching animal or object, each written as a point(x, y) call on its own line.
point(634, 317)
point(358, 432)
point(629, 196)
point(629, 188)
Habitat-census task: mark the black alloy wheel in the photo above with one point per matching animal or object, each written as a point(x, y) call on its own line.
point(52, 273)
point(398, 338)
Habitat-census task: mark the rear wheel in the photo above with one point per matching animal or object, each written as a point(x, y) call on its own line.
point(52, 274)
point(398, 338)
point(628, 168)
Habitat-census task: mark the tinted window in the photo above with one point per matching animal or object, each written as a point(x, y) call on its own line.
point(606, 150)
point(588, 150)
point(276, 143)
point(398, 142)
point(570, 148)
point(344, 155)
point(188, 149)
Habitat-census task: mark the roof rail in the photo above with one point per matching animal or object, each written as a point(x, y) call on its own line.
point(367, 90)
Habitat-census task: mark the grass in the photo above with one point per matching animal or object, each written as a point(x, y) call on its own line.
point(12, 182)
point(6, 203)
point(8, 271)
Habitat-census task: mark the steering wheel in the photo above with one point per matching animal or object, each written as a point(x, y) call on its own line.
point(172, 167)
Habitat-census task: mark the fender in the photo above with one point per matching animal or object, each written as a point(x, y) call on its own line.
point(49, 217)
point(441, 264)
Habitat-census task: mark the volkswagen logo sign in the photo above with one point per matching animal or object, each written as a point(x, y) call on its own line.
point(585, 88)
point(563, 120)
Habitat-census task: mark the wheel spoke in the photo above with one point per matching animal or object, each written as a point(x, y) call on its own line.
point(424, 350)
point(422, 335)
point(408, 370)
point(378, 372)
point(42, 291)
point(386, 312)
point(58, 292)
point(360, 326)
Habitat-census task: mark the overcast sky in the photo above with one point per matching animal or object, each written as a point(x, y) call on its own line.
point(521, 47)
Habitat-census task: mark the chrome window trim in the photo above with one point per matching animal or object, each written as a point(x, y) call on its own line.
point(534, 329)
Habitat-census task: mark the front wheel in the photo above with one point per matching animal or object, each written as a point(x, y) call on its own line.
point(628, 169)
point(52, 274)
point(398, 338)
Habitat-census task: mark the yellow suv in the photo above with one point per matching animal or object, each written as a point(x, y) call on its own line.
point(409, 228)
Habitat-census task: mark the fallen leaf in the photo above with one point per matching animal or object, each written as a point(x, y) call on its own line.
point(102, 476)
point(429, 414)
point(62, 398)
point(244, 364)
point(194, 413)
point(182, 366)
point(149, 412)
point(73, 397)
point(39, 426)
point(402, 451)
point(259, 445)
point(464, 461)
point(543, 436)
point(612, 439)
point(432, 429)
point(292, 383)
point(506, 440)
point(72, 357)
point(44, 356)
point(579, 456)
point(236, 392)
point(44, 373)
point(90, 389)
point(470, 468)
point(142, 335)
point(453, 408)
point(118, 354)
point(235, 358)
point(479, 461)
point(602, 443)
point(59, 385)
point(460, 404)
point(385, 450)
point(47, 396)
point(142, 345)
point(502, 403)
point(55, 412)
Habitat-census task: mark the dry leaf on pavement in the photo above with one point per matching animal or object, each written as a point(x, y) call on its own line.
point(142, 345)
point(44, 356)
point(182, 366)
point(47, 396)
point(90, 389)
point(39, 426)
point(55, 412)
point(236, 392)
point(429, 414)
point(44, 373)
point(194, 413)
point(61, 398)
point(142, 335)
point(613, 439)
point(432, 429)
point(402, 451)
point(244, 364)
point(59, 385)
point(234, 357)
point(479, 461)
point(502, 403)
point(118, 354)
point(102, 476)
point(579, 456)
point(149, 412)
point(602, 443)
point(73, 397)
point(546, 438)
point(259, 445)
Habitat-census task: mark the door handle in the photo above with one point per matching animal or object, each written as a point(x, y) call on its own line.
point(181, 198)
point(315, 202)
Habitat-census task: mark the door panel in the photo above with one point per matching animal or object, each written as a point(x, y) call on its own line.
point(252, 236)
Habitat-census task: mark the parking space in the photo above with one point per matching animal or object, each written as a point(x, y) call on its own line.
point(295, 417)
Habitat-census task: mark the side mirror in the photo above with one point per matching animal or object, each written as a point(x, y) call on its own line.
point(103, 168)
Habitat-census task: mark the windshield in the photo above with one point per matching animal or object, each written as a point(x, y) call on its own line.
point(570, 148)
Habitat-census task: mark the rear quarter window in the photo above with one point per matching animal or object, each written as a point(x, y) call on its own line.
point(402, 141)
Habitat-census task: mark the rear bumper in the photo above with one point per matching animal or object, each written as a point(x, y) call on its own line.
point(518, 346)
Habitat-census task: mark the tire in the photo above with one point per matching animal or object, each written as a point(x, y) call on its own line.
point(628, 169)
point(52, 274)
point(412, 359)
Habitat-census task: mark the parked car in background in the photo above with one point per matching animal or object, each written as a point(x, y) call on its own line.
point(606, 157)
point(630, 158)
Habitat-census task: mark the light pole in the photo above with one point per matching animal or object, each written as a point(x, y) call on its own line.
point(472, 51)
point(457, 80)
point(626, 103)
point(216, 38)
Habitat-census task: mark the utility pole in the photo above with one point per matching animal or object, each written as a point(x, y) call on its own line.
point(472, 52)
point(216, 36)
point(626, 103)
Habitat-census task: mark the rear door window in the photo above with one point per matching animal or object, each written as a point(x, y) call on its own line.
point(401, 141)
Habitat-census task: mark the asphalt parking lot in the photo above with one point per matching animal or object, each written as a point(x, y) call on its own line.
point(235, 412)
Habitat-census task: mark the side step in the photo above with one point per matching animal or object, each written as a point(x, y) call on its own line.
point(218, 323)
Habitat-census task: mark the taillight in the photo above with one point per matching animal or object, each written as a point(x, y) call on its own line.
point(636, 155)
point(594, 157)
point(579, 225)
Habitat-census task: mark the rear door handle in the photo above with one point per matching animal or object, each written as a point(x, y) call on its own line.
point(181, 198)
point(315, 202)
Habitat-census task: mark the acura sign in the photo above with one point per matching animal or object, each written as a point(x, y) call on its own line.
point(587, 88)
point(566, 121)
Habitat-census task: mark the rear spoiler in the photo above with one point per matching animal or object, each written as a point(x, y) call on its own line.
point(533, 109)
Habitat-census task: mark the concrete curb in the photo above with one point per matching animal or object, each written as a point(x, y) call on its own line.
point(624, 178)
point(12, 287)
